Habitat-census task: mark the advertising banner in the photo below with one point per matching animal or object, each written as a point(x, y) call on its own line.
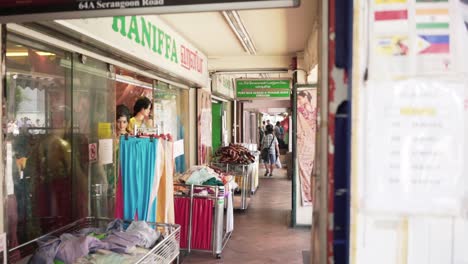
point(306, 135)
point(204, 120)
point(260, 88)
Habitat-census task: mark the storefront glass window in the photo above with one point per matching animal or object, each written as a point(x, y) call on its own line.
point(38, 169)
point(171, 116)
point(93, 120)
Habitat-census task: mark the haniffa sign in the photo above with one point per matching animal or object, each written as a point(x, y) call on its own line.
point(36, 10)
point(249, 89)
point(148, 38)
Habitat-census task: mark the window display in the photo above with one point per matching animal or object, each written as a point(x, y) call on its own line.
point(38, 172)
point(58, 104)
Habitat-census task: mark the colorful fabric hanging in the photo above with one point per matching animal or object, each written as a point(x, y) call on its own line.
point(165, 207)
point(202, 222)
point(182, 213)
point(137, 163)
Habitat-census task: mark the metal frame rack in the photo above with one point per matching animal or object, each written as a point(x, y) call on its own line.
point(220, 236)
point(164, 252)
point(243, 171)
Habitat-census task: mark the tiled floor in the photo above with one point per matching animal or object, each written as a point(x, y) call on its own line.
point(262, 233)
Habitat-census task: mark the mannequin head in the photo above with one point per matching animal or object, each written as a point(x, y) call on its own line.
point(122, 118)
point(142, 107)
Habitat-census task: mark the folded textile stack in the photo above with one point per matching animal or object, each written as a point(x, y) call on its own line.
point(235, 154)
point(77, 247)
point(201, 175)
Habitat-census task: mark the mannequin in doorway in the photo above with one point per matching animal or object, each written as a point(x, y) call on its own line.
point(141, 114)
point(269, 141)
point(122, 119)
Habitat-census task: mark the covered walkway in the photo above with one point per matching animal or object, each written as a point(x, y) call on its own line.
point(262, 233)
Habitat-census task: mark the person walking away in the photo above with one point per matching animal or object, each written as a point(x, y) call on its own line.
point(279, 133)
point(269, 141)
point(261, 133)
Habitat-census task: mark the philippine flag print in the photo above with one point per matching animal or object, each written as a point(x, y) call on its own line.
point(433, 44)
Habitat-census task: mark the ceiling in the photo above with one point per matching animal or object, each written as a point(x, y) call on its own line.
point(278, 35)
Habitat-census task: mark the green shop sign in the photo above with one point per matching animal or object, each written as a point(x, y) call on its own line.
point(248, 89)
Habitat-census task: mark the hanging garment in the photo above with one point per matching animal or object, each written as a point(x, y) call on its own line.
point(165, 203)
point(137, 160)
point(202, 223)
point(119, 205)
point(158, 172)
point(182, 213)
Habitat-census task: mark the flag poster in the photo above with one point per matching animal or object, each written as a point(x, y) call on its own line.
point(432, 18)
point(413, 37)
point(390, 20)
point(393, 45)
point(433, 44)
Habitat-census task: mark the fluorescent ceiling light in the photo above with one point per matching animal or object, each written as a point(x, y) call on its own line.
point(25, 53)
point(237, 26)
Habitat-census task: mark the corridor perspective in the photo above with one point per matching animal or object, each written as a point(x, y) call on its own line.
point(262, 233)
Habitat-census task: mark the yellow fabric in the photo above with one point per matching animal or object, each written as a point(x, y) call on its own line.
point(161, 207)
point(131, 125)
point(165, 207)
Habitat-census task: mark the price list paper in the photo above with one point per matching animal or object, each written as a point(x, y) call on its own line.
point(414, 146)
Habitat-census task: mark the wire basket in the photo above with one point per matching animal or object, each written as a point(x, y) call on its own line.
point(164, 252)
point(168, 249)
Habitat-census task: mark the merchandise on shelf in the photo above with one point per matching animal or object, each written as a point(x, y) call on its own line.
point(235, 154)
point(111, 244)
point(203, 175)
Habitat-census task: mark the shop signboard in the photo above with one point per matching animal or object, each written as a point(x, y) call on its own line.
point(261, 88)
point(146, 37)
point(223, 85)
point(35, 10)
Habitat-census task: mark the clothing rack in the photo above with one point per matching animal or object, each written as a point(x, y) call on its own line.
point(149, 132)
point(243, 177)
point(219, 235)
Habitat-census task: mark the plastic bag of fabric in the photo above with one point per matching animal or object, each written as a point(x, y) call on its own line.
point(278, 163)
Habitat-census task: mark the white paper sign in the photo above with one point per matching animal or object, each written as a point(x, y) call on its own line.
point(178, 148)
point(106, 152)
point(414, 147)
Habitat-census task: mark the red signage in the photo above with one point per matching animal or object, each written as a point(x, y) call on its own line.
point(37, 10)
